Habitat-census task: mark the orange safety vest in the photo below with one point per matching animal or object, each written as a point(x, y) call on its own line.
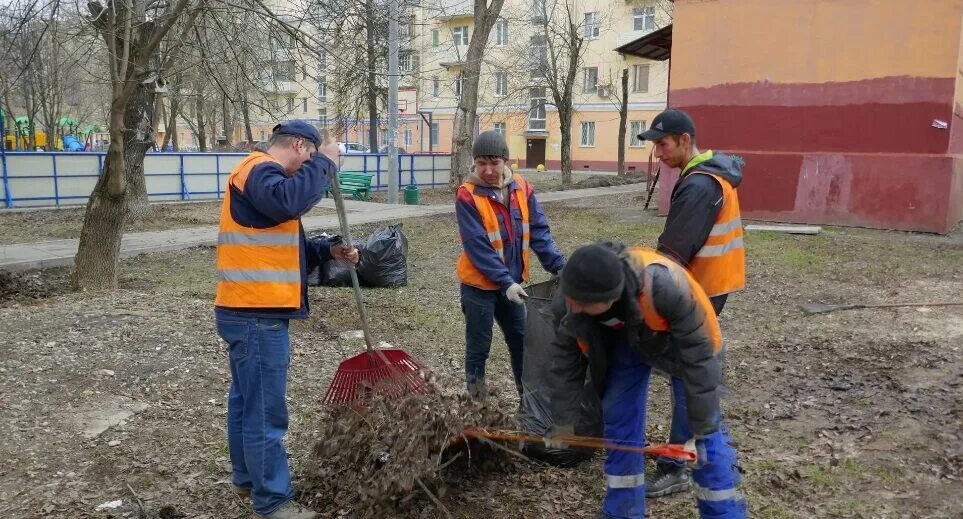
point(467, 272)
point(256, 268)
point(720, 265)
point(642, 257)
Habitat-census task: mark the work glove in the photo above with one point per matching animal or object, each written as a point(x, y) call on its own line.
point(698, 446)
point(553, 438)
point(516, 293)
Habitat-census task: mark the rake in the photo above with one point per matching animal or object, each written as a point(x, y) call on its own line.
point(390, 372)
point(666, 450)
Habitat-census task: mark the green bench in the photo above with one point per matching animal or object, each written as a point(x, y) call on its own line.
point(358, 185)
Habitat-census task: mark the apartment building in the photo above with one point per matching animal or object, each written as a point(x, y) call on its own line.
point(514, 97)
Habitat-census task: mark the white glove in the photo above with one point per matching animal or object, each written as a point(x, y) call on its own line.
point(515, 293)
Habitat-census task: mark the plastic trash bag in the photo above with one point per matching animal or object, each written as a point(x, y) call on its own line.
point(533, 415)
point(384, 258)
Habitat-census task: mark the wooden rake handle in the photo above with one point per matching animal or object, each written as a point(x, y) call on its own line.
point(667, 450)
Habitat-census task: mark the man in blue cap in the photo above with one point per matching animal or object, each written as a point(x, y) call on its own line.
point(262, 264)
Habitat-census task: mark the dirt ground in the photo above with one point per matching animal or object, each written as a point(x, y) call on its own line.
point(851, 414)
point(54, 224)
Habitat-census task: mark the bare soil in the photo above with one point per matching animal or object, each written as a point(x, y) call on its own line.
point(850, 414)
point(53, 224)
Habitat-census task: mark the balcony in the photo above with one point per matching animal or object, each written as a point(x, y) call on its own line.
point(629, 36)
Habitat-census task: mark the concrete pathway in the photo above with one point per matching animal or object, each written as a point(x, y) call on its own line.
point(58, 253)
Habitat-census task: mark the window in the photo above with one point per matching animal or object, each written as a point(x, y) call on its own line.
point(304, 72)
point(458, 86)
point(636, 127)
point(290, 104)
point(591, 28)
point(407, 137)
point(538, 11)
point(322, 61)
point(588, 134)
point(640, 78)
point(304, 105)
point(460, 35)
point(322, 90)
point(539, 56)
point(501, 32)
point(435, 87)
point(323, 117)
point(284, 70)
point(590, 82)
point(406, 27)
point(435, 38)
point(501, 84)
point(536, 113)
point(408, 62)
point(500, 128)
point(643, 19)
point(384, 138)
point(434, 134)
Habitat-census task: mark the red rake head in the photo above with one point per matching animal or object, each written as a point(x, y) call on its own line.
point(389, 372)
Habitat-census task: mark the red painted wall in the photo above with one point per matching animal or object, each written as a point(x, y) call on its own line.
point(893, 191)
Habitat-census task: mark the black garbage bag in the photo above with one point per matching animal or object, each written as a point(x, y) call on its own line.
point(384, 258)
point(533, 415)
point(331, 273)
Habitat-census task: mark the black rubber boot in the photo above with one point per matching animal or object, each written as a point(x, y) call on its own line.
point(666, 480)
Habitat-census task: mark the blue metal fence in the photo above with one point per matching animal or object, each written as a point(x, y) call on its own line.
point(58, 178)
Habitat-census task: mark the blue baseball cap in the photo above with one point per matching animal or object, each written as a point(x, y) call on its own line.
point(299, 128)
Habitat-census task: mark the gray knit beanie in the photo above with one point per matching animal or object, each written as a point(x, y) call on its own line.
point(490, 144)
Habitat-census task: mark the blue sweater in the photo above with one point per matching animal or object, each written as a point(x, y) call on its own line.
point(272, 197)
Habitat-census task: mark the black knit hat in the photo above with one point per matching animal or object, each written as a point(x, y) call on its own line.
point(593, 274)
point(489, 144)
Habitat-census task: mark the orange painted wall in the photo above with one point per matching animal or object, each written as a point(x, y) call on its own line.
point(815, 41)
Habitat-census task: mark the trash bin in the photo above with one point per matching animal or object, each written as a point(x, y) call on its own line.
point(412, 195)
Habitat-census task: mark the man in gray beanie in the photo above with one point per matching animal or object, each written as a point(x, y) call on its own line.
point(499, 223)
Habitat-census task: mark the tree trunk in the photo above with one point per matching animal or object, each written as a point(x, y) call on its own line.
point(246, 114)
point(463, 133)
point(372, 79)
point(623, 118)
point(227, 122)
point(200, 128)
point(565, 127)
point(100, 237)
point(138, 138)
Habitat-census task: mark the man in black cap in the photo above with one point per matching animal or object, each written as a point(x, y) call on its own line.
point(703, 232)
point(621, 312)
point(262, 264)
point(499, 222)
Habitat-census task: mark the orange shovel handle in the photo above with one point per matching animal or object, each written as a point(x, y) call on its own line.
point(667, 450)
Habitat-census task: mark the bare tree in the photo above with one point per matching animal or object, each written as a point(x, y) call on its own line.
point(132, 32)
point(485, 15)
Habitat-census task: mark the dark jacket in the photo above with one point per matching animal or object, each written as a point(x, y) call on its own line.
point(685, 351)
point(271, 197)
point(695, 203)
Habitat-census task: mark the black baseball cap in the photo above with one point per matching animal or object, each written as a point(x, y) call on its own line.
point(670, 122)
point(299, 128)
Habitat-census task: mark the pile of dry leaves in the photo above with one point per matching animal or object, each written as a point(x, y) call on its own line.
point(370, 461)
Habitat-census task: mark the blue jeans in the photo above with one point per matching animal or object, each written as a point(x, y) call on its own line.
point(257, 415)
point(679, 428)
point(483, 308)
point(623, 417)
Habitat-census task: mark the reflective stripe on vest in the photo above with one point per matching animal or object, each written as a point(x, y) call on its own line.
point(643, 257)
point(720, 265)
point(467, 272)
point(256, 268)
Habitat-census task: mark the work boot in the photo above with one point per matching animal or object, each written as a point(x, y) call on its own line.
point(241, 492)
point(289, 510)
point(665, 480)
point(477, 389)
